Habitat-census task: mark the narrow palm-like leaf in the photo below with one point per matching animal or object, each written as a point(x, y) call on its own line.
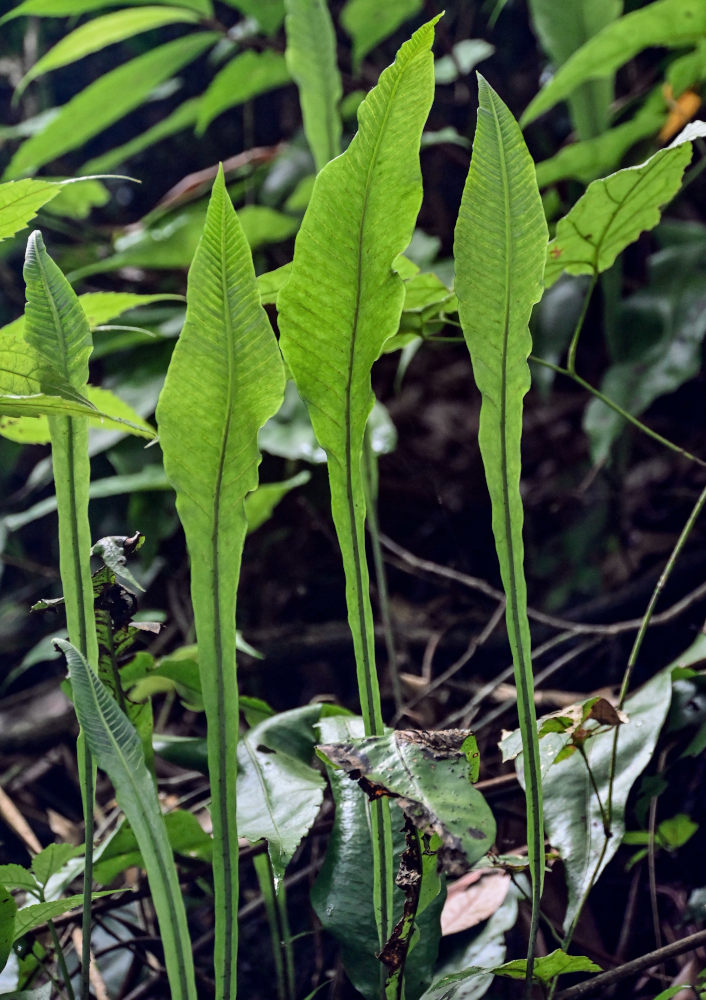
point(118, 751)
point(673, 23)
point(245, 76)
point(101, 32)
point(72, 8)
point(105, 101)
point(500, 248)
point(614, 210)
point(311, 58)
point(225, 380)
point(342, 302)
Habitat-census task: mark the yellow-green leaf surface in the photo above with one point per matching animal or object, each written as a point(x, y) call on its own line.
point(344, 299)
point(225, 380)
point(72, 8)
point(616, 209)
point(57, 330)
point(107, 100)
point(247, 75)
point(19, 202)
point(671, 23)
point(117, 750)
point(26, 420)
point(500, 246)
point(311, 58)
point(103, 31)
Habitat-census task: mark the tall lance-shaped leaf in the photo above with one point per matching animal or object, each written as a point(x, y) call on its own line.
point(341, 303)
point(500, 246)
point(311, 58)
point(57, 330)
point(118, 751)
point(225, 380)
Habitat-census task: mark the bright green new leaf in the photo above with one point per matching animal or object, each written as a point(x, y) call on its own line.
point(117, 750)
point(666, 23)
point(369, 22)
point(547, 967)
point(72, 8)
point(615, 210)
point(499, 250)
point(101, 32)
point(562, 29)
point(8, 910)
point(107, 100)
point(225, 380)
point(343, 301)
point(269, 14)
point(311, 58)
point(25, 419)
point(247, 75)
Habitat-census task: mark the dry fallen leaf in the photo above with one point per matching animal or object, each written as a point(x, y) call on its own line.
point(473, 898)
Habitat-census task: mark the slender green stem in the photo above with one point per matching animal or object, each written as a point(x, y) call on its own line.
point(61, 960)
point(618, 409)
point(591, 777)
point(265, 878)
point(370, 483)
point(573, 346)
point(287, 943)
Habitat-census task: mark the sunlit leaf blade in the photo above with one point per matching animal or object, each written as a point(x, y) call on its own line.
point(616, 209)
point(71, 8)
point(57, 330)
point(117, 750)
point(666, 23)
point(369, 22)
point(500, 245)
point(247, 75)
point(343, 299)
point(19, 202)
point(101, 103)
point(225, 380)
point(562, 29)
point(102, 408)
point(311, 58)
point(101, 32)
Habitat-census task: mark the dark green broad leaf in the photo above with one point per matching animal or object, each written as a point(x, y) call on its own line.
point(106, 101)
point(368, 22)
point(117, 750)
point(428, 775)
point(8, 911)
point(342, 895)
point(662, 331)
point(573, 819)
point(311, 58)
point(616, 209)
point(244, 77)
point(666, 23)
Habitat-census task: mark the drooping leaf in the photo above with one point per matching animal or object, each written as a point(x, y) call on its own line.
point(245, 76)
point(573, 817)
point(616, 209)
point(499, 250)
point(106, 100)
point(360, 217)
point(662, 329)
point(422, 770)
point(600, 155)
point(72, 8)
point(101, 32)
point(8, 910)
point(224, 381)
point(562, 29)
point(117, 750)
point(19, 202)
point(369, 22)
point(311, 59)
point(665, 23)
